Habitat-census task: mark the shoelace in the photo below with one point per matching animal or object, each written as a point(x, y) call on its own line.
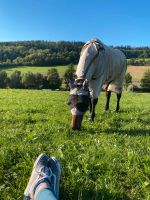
point(51, 178)
point(43, 178)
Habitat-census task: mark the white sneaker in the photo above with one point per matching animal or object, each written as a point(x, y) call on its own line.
point(40, 173)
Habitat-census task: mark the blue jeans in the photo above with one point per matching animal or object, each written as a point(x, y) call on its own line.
point(45, 194)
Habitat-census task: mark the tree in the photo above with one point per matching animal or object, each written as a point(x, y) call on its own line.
point(69, 75)
point(145, 81)
point(15, 80)
point(145, 54)
point(127, 80)
point(39, 80)
point(3, 79)
point(54, 81)
point(45, 82)
point(29, 80)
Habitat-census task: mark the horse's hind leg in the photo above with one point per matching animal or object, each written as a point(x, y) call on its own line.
point(118, 102)
point(108, 95)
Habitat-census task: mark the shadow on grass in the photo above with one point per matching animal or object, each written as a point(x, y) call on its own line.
point(103, 194)
point(112, 122)
point(116, 127)
point(131, 132)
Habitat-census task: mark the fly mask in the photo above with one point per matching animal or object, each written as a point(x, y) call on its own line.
point(79, 100)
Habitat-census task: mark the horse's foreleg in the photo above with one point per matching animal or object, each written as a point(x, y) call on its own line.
point(108, 95)
point(118, 101)
point(93, 103)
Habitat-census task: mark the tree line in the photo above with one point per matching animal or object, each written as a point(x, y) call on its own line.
point(47, 53)
point(29, 80)
point(39, 53)
point(52, 80)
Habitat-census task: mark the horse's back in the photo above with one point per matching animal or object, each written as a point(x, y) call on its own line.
point(115, 55)
point(116, 69)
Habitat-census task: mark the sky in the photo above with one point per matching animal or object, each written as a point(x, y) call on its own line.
point(115, 22)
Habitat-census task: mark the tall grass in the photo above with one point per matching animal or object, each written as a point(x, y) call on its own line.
point(108, 159)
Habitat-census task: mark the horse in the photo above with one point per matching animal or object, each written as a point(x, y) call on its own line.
point(99, 66)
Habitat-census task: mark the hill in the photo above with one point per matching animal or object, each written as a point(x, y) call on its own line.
point(44, 53)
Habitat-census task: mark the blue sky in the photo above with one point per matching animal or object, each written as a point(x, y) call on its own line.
point(115, 22)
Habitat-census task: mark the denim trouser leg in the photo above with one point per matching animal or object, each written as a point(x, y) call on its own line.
point(45, 194)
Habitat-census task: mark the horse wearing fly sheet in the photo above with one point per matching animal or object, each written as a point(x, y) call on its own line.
point(99, 66)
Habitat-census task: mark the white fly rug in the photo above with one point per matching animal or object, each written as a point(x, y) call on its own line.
point(101, 66)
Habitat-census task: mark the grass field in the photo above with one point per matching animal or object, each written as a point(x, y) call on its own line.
point(39, 69)
point(108, 160)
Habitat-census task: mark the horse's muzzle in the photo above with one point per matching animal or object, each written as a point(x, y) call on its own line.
point(76, 122)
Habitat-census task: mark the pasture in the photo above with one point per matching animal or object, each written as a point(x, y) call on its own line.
point(35, 69)
point(135, 71)
point(108, 159)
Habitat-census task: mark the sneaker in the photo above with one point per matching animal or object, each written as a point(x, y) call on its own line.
point(40, 173)
point(55, 166)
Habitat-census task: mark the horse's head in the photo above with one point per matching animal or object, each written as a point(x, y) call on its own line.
point(78, 101)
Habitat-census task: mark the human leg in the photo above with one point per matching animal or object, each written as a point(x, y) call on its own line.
point(45, 194)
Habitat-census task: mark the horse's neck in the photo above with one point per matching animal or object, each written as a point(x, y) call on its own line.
point(86, 67)
point(85, 72)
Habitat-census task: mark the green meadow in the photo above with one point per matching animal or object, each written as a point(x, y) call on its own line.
point(107, 160)
point(35, 69)
point(136, 72)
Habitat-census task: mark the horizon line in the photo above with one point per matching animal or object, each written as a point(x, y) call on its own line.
point(42, 40)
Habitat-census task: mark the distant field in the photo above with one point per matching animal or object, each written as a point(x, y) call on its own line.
point(36, 69)
point(135, 71)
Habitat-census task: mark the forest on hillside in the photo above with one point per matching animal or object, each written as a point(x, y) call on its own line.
point(48, 53)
